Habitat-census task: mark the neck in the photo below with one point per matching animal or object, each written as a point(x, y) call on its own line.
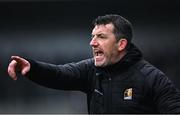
point(122, 54)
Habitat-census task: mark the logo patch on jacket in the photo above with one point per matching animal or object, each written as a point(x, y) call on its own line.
point(128, 94)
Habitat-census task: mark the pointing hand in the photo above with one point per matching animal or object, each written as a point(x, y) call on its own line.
point(18, 64)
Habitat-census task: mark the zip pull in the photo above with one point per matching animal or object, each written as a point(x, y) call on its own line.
point(108, 75)
point(98, 74)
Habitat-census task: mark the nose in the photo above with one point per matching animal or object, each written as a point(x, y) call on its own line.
point(93, 42)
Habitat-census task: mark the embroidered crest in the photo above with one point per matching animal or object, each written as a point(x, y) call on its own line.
point(128, 94)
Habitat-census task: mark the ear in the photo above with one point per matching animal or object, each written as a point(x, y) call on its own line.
point(122, 43)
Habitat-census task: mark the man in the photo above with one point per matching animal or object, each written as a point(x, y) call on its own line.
point(116, 80)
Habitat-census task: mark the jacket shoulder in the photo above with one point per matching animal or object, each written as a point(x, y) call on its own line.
point(148, 70)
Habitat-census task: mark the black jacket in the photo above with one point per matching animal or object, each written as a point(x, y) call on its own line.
point(130, 86)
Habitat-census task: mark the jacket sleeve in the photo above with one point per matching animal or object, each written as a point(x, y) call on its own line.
point(71, 76)
point(165, 95)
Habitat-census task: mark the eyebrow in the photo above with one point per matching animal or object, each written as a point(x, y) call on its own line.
point(98, 35)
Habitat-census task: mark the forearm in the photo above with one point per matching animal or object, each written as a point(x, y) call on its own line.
point(71, 76)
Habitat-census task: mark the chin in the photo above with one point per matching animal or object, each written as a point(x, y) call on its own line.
point(100, 63)
point(97, 64)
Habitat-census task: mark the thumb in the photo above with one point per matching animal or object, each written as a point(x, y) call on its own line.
point(12, 70)
point(25, 70)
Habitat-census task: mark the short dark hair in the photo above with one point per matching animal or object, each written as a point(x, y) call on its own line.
point(122, 27)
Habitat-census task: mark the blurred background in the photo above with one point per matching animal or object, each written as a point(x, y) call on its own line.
point(60, 31)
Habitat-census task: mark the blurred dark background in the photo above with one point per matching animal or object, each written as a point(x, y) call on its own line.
point(59, 32)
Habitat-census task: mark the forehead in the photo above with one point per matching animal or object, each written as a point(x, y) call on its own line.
point(107, 28)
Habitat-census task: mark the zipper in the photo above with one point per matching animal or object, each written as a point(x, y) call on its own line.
point(109, 95)
point(109, 98)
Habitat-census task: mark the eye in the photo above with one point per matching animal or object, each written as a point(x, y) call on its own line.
point(102, 36)
point(92, 36)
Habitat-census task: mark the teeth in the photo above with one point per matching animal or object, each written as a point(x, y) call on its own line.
point(98, 53)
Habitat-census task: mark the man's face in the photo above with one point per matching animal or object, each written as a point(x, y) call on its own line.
point(104, 45)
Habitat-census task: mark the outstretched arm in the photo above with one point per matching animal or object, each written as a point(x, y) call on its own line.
point(71, 76)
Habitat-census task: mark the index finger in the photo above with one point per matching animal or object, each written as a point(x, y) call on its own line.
point(17, 58)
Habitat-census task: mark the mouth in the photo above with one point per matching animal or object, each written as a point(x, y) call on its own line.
point(98, 54)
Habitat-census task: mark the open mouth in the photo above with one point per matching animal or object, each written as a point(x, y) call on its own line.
point(99, 55)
